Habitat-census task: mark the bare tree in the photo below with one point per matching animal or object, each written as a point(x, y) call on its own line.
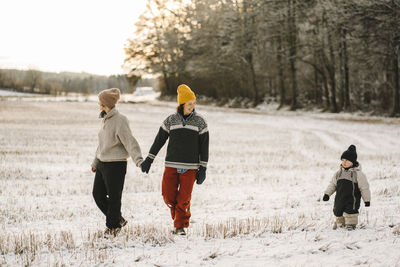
point(32, 79)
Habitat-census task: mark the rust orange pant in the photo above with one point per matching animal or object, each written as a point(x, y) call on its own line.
point(177, 192)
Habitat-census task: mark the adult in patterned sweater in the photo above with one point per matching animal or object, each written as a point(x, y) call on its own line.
point(116, 144)
point(186, 159)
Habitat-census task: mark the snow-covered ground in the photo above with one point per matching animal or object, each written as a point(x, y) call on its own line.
point(141, 95)
point(259, 206)
point(7, 93)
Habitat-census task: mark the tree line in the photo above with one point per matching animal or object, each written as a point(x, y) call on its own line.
point(339, 55)
point(35, 81)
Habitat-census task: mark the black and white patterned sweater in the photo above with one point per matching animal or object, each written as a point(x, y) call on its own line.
point(188, 141)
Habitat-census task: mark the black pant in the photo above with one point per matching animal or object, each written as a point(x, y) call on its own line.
point(107, 190)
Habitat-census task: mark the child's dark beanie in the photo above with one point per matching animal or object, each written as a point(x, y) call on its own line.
point(350, 154)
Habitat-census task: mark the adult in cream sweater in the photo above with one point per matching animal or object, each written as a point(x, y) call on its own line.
point(116, 144)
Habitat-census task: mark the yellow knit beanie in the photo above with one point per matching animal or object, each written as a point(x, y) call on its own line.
point(185, 94)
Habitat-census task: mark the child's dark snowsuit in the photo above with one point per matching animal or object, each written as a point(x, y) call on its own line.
point(350, 185)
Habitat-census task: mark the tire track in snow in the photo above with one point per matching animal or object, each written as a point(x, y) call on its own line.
point(340, 139)
point(359, 141)
point(306, 142)
point(368, 141)
point(327, 140)
point(298, 141)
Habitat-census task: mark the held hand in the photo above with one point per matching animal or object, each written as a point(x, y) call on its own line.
point(93, 169)
point(201, 175)
point(146, 164)
point(367, 204)
point(325, 198)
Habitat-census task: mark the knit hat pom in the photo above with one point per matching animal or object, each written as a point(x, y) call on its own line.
point(185, 94)
point(352, 148)
point(109, 97)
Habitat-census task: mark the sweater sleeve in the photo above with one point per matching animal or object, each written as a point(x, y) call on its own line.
point(332, 185)
point(204, 144)
point(96, 160)
point(364, 186)
point(124, 134)
point(161, 138)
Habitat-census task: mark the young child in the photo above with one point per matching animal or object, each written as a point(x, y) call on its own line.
point(350, 184)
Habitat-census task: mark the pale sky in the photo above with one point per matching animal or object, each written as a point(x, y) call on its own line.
point(67, 35)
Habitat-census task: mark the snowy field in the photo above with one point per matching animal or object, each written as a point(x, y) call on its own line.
point(259, 206)
point(141, 95)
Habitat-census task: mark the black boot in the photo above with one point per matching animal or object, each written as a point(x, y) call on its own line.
point(179, 231)
point(122, 221)
point(109, 233)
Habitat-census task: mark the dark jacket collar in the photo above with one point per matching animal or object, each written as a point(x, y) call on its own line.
point(355, 167)
point(187, 116)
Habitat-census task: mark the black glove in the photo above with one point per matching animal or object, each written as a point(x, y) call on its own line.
point(367, 204)
point(201, 175)
point(146, 164)
point(325, 198)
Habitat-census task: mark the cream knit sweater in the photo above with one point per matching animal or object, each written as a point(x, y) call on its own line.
point(116, 142)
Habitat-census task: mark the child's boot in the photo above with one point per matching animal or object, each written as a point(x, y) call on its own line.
point(350, 220)
point(338, 223)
